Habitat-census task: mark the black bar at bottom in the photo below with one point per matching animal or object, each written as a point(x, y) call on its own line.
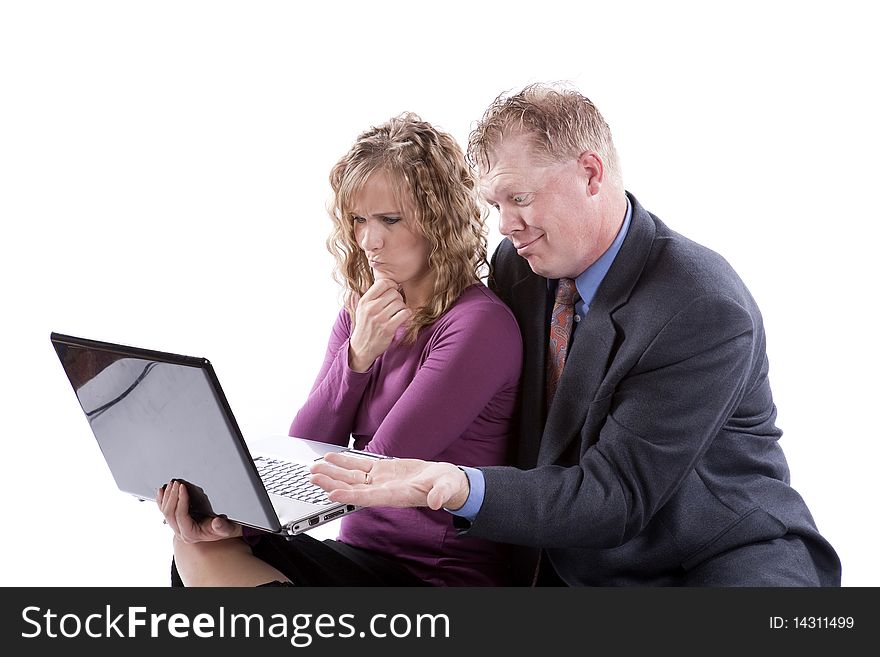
point(395, 621)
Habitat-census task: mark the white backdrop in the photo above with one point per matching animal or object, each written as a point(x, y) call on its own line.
point(163, 179)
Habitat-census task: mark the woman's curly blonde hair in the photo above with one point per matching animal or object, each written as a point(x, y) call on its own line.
point(433, 181)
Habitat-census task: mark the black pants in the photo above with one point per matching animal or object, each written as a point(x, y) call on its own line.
point(309, 562)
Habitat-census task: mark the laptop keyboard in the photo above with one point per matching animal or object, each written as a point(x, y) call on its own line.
point(289, 480)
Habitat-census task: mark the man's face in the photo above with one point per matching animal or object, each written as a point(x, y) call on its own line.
point(550, 211)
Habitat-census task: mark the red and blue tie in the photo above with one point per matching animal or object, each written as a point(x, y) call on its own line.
point(561, 321)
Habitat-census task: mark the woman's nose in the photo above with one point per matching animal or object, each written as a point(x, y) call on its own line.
point(369, 236)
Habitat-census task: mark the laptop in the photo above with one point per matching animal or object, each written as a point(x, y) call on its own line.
point(160, 417)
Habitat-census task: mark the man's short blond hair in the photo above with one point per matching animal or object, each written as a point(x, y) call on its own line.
point(561, 122)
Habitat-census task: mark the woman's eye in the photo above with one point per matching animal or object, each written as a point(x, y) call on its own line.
point(358, 220)
point(520, 199)
point(391, 220)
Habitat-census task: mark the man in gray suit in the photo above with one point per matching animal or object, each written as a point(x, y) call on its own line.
point(647, 449)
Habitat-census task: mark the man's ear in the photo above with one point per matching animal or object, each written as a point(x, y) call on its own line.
point(594, 169)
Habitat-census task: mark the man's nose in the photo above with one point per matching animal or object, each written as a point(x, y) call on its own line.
point(509, 220)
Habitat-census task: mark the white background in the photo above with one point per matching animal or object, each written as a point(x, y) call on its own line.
point(163, 179)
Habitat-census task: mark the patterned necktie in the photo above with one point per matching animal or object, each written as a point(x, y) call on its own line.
point(561, 321)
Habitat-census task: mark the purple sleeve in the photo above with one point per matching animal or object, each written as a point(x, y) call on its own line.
point(328, 413)
point(472, 357)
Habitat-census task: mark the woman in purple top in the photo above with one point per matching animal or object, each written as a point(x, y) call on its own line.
point(422, 362)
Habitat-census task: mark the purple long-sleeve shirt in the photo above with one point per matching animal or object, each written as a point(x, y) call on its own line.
point(449, 396)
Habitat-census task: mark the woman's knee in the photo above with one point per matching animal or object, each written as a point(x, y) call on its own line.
point(207, 563)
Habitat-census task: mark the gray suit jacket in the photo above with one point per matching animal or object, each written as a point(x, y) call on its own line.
point(660, 454)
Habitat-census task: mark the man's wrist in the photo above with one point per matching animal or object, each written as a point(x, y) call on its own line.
point(475, 494)
point(460, 498)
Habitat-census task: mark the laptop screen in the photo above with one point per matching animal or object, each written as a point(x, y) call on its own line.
point(159, 417)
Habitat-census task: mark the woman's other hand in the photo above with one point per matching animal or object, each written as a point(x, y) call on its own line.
point(173, 501)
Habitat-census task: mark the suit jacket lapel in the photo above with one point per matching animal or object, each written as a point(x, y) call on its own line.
point(595, 342)
point(589, 355)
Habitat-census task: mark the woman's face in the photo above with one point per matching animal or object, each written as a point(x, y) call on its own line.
point(385, 232)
